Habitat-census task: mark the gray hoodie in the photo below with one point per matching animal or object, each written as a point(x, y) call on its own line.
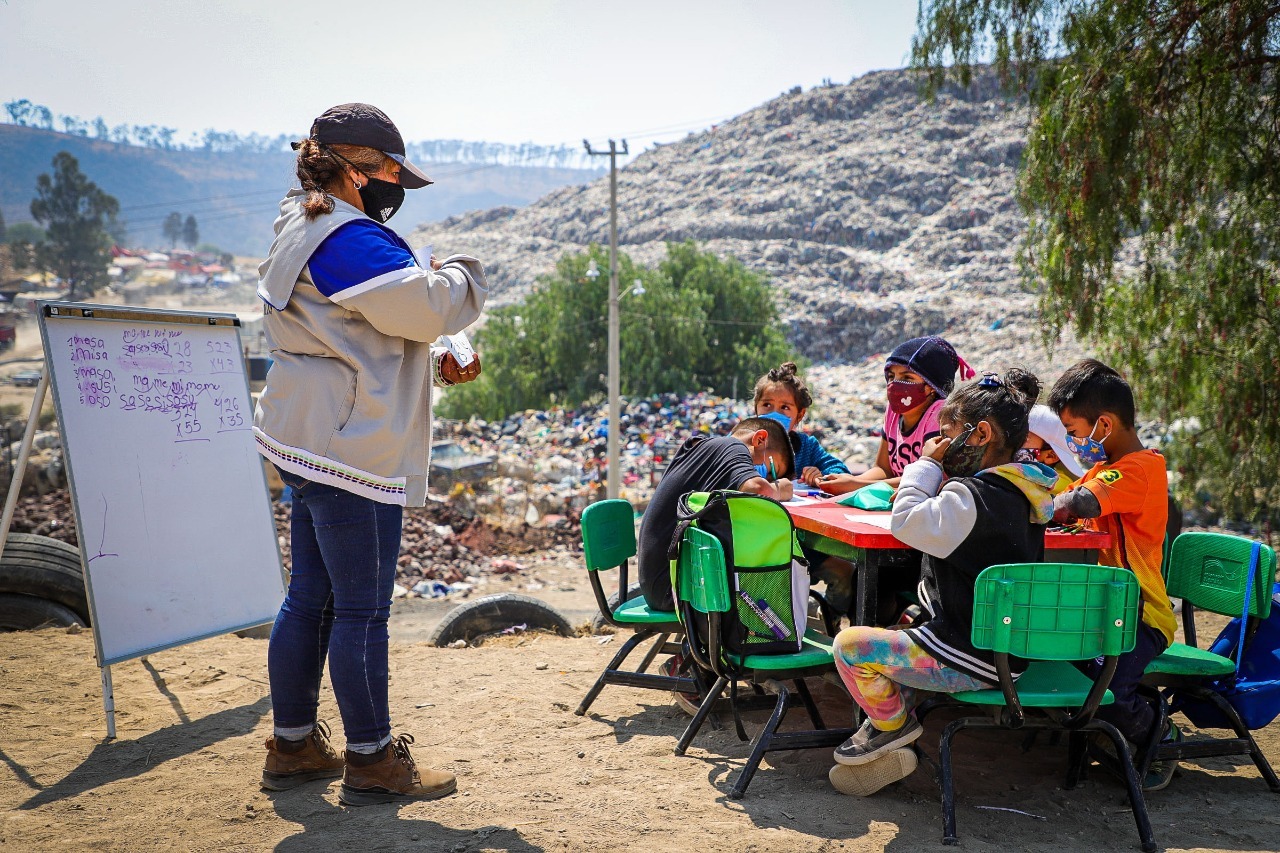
point(348, 396)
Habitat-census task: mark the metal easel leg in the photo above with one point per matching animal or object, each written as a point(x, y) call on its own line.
point(109, 702)
point(20, 465)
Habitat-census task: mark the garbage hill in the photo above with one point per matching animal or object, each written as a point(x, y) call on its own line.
point(879, 215)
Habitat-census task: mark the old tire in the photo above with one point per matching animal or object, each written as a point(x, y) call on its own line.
point(27, 612)
point(598, 622)
point(494, 614)
point(44, 568)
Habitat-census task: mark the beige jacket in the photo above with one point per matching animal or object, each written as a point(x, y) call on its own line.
point(348, 396)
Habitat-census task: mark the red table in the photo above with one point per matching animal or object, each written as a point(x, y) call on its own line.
point(828, 527)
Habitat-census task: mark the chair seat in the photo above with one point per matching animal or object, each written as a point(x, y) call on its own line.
point(1044, 684)
point(638, 612)
point(1181, 659)
point(816, 651)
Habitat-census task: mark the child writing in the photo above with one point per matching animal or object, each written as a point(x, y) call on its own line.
point(989, 510)
point(1124, 493)
point(756, 457)
point(918, 374)
point(781, 391)
point(781, 394)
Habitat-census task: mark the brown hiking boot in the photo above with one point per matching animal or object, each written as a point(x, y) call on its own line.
point(316, 759)
point(394, 779)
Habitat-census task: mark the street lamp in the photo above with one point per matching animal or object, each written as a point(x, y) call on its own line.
point(615, 401)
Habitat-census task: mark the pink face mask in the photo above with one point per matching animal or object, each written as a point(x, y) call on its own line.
point(905, 396)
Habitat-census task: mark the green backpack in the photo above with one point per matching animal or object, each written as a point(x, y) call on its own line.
point(768, 576)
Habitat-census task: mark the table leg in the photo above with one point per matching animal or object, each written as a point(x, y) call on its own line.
point(867, 575)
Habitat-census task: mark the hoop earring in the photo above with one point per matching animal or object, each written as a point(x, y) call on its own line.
point(357, 184)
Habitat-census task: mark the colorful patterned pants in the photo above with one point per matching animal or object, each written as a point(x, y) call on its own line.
point(884, 669)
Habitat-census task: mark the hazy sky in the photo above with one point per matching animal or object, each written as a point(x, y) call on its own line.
point(500, 70)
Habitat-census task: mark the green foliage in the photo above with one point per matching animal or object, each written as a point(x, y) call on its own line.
point(1153, 198)
point(702, 322)
point(22, 238)
point(190, 231)
point(76, 215)
point(172, 228)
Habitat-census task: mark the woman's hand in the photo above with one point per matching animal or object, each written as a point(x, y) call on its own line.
point(451, 372)
point(936, 447)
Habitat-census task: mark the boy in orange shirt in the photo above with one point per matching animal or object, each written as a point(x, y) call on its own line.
point(1126, 494)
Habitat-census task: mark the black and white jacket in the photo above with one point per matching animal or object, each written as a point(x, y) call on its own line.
point(963, 527)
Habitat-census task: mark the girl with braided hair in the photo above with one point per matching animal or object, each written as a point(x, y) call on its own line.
point(967, 505)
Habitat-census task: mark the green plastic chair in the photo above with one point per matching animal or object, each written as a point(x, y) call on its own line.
point(609, 542)
point(1209, 571)
point(702, 595)
point(1050, 614)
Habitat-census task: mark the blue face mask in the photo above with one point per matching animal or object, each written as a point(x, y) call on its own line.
point(768, 472)
point(1087, 450)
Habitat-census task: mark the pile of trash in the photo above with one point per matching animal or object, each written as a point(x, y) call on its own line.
point(444, 550)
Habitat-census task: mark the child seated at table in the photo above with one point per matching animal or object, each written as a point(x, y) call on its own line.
point(781, 394)
point(781, 391)
point(918, 375)
point(989, 510)
point(1124, 493)
point(756, 457)
point(1047, 444)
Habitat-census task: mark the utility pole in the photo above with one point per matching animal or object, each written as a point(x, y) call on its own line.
point(615, 394)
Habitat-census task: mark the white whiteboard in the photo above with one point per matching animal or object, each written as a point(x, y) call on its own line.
point(172, 511)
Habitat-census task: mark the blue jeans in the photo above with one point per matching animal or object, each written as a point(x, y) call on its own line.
point(1131, 713)
point(344, 565)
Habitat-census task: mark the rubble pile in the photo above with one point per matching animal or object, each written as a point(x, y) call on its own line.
point(441, 544)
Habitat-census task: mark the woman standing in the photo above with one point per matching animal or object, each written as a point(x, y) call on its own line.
point(346, 417)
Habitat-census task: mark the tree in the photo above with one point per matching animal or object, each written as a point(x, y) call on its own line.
point(673, 336)
point(23, 240)
point(190, 232)
point(1153, 197)
point(75, 214)
point(172, 228)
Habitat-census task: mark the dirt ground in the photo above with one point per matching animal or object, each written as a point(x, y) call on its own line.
point(183, 773)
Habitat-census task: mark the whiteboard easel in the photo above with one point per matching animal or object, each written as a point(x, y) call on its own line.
point(177, 539)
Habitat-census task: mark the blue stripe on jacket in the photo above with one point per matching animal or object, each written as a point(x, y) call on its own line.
point(357, 252)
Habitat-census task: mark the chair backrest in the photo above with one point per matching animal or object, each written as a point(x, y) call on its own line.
point(1056, 611)
point(608, 534)
point(1211, 570)
point(702, 576)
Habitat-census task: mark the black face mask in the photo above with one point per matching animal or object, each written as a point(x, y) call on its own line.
point(963, 460)
point(381, 199)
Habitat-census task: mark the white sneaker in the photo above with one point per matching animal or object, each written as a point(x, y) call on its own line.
point(863, 780)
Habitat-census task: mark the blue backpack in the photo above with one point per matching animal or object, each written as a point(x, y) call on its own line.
point(1254, 689)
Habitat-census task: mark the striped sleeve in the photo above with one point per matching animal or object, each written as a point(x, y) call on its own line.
point(358, 257)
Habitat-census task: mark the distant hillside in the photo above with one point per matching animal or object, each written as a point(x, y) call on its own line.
point(879, 215)
point(234, 195)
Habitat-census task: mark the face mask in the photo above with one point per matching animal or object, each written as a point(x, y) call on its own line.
point(767, 471)
point(1088, 451)
point(963, 460)
point(905, 396)
point(381, 199)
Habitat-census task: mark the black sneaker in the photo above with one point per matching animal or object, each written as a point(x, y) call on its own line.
point(687, 702)
point(869, 743)
point(1160, 773)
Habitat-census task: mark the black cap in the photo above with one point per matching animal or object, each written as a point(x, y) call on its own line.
point(933, 358)
point(367, 126)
